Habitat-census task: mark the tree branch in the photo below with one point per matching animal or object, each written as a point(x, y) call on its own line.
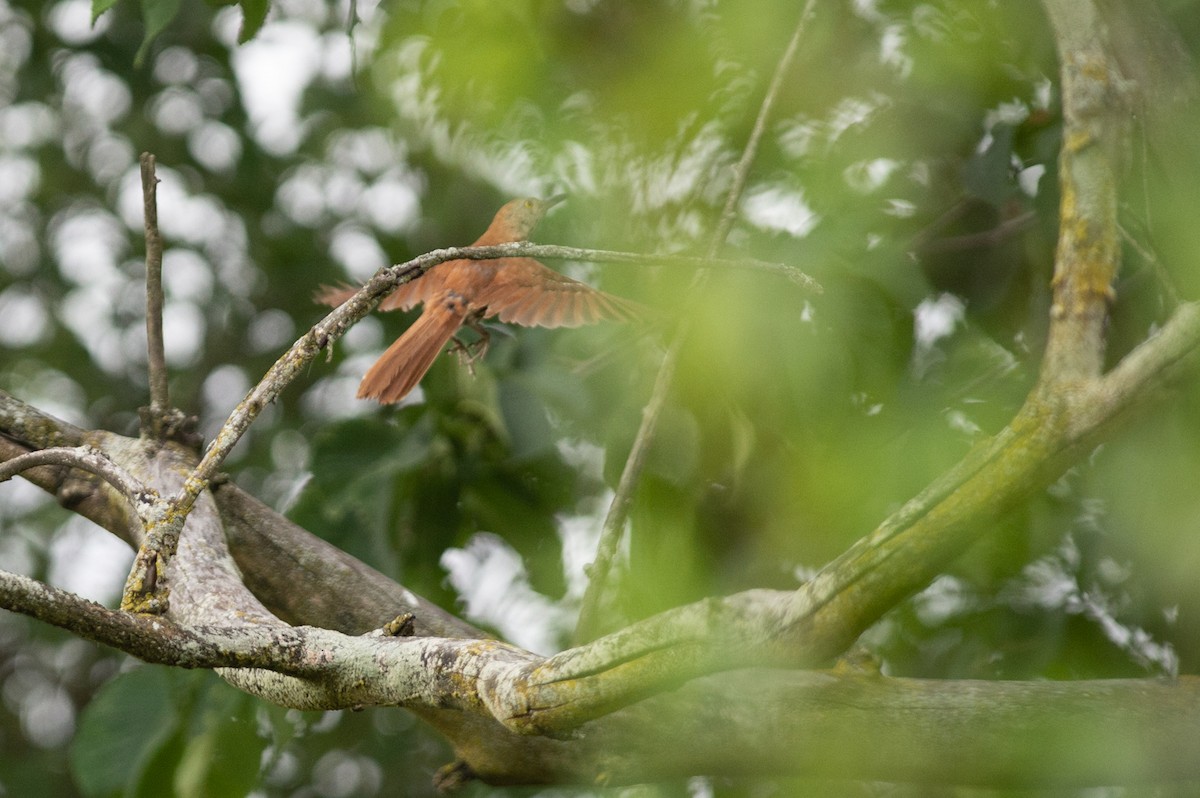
point(1094, 139)
point(1155, 362)
point(811, 723)
point(149, 638)
point(155, 356)
point(810, 626)
point(548, 251)
point(296, 360)
point(84, 458)
point(26, 424)
point(468, 688)
point(274, 555)
point(755, 722)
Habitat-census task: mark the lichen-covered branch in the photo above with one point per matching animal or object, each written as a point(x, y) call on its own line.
point(85, 458)
point(26, 424)
point(274, 555)
point(150, 638)
point(1094, 143)
point(493, 700)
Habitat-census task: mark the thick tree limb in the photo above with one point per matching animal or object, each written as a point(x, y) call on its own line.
point(26, 424)
point(339, 592)
point(779, 723)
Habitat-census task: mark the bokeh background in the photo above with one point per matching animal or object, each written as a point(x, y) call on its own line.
point(910, 166)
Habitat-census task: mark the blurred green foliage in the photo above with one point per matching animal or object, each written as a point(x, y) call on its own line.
point(910, 167)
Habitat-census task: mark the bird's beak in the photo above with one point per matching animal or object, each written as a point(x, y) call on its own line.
point(555, 200)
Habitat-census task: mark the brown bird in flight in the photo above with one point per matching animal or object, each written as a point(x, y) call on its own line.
point(464, 292)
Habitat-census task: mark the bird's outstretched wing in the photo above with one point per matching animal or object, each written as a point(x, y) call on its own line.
point(406, 297)
point(527, 293)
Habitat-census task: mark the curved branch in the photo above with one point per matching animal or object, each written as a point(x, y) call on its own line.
point(85, 458)
point(274, 555)
point(296, 360)
point(831, 725)
point(478, 691)
point(1152, 364)
point(158, 541)
point(817, 622)
point(150, 638)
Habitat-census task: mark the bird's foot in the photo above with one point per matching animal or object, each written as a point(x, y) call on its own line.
point(468, 353)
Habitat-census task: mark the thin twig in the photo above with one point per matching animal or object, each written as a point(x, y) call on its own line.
point(527, 249)
point(156, 357)
point(618, 511)
point(1166, 285)
point(689, 261)
point(296, 359)
point(741, 172)
point(144, 588)
point(85, 458)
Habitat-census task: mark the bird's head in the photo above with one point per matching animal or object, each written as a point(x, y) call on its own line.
point(516, 220)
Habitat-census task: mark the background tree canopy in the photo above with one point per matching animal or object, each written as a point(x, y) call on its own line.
point(910, 164)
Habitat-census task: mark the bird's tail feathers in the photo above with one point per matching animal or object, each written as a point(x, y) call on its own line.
point(405, 362)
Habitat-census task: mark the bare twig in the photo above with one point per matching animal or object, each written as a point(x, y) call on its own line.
point(688, 261)
point(144, 590)
point(156, 358)
point(159, 421)
point(618, 512)
point(85, 458)
point(293, 362)
point(527, 249)
point(741, 172)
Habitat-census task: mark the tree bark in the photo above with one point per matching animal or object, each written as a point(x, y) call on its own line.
point(743, 722)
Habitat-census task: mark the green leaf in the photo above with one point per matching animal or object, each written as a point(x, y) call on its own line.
point(254, 13)
point(160, 767)
point(122, 729)
point(223, 757)
point(530, 434)
point(99, 7)
point(156, 15)
point(343, 451)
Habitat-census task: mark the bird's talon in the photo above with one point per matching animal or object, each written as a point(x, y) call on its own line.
point(468, 353)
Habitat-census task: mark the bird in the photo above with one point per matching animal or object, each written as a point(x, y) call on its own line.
point(464, 292)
